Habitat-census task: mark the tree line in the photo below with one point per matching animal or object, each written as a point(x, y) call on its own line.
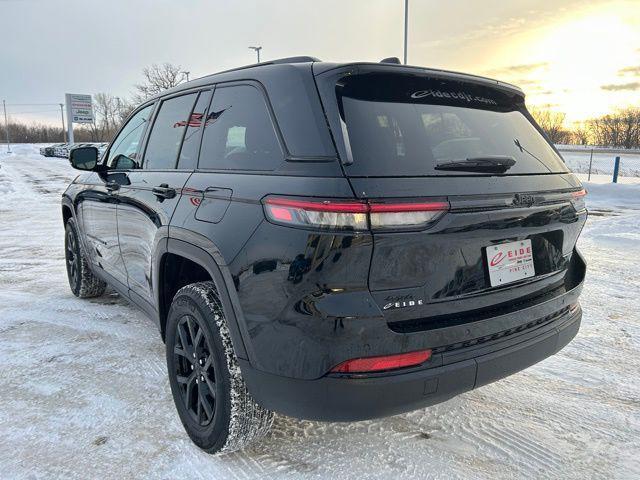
point(620, 129)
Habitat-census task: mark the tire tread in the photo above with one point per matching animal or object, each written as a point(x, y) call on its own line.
point(249, 421)
point(90, 285)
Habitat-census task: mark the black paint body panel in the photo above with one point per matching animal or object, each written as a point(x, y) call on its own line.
point(300, 301)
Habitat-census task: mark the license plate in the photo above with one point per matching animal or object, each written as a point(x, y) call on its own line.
point(510, 262)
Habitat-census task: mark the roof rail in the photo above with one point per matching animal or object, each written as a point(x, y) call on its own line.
point(300, 59)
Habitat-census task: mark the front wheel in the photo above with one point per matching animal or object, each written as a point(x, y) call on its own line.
point(83, 283)
point(211, 397)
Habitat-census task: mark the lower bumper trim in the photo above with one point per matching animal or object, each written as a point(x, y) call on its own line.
point(351, 399)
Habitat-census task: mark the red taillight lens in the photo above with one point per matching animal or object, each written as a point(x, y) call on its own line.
point(577, 200)
point(332, 214)
point(382, 363)
point(353, 215)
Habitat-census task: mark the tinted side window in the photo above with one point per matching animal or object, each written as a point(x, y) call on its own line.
point(239, 133)
point(191, 143)
point(128, 140)
point(166, 134)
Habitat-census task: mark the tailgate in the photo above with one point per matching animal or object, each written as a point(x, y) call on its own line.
point(411, 138)
point(443, 270)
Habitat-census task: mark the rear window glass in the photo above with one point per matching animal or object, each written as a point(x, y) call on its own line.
point(406, 125)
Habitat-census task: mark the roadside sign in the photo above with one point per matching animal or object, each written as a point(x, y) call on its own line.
point(79, 108)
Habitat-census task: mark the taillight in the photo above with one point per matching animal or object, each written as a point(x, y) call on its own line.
point(405, 215)
point(333, 214)
point(382, 363)
point(577, 200)
point(353, 215)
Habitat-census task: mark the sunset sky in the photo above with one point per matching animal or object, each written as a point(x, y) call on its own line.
point(577, 57)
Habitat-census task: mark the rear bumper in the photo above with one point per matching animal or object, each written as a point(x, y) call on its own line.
point(350, 398)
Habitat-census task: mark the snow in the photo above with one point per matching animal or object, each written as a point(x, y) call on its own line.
point(85, 393)
point(602, 164)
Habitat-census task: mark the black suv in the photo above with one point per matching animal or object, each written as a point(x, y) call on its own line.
point(331, 241)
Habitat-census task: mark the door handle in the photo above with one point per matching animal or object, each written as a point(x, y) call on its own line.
point(112, 186)
point(163, 191)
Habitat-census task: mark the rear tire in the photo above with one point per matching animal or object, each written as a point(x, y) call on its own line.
point(211, 397)
point(83, 283)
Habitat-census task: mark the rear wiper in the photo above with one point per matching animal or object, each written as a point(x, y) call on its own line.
point(492, 164)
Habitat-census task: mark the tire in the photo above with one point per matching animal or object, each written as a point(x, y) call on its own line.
point(83, 283)
point(232, 419)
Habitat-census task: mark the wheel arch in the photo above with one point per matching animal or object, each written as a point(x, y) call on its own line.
point(200, 262)
point(67, 210)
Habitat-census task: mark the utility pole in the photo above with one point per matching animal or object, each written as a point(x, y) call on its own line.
point(64, 131)
point(118, 119)
point(6, 126)
point(187, 75)
point(67, 99)
point(257, 50)
point(406, 28)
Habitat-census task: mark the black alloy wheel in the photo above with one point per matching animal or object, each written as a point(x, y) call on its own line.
point(72, 257)
point(195, 370)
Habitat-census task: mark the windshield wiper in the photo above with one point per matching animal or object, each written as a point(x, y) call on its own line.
point(490, 164)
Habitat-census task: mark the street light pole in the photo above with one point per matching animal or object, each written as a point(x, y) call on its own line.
point(64, 131)
point(6, 126)
point(406, 28)
point(257, 50)
point(187, 75)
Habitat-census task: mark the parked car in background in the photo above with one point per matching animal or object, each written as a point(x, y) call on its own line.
point(62, 149)
point(331, 241)
point(49, 151)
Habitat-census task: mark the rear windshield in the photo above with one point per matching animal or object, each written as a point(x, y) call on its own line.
point(407, 125)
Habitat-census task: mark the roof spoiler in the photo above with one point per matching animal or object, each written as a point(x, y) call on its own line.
point(300, 59)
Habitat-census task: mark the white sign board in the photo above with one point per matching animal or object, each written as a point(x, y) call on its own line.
point(79, 108)
point(510, 262)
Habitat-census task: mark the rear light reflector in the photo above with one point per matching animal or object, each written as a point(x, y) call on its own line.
point(382, 363)
point(577, 200)
point(353, 215)
point(405, 215)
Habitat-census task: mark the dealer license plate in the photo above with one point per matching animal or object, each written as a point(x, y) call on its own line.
point(510, 262)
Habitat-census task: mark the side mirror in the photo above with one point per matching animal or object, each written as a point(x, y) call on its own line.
point(84, 158)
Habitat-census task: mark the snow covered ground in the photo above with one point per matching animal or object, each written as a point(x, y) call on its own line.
point(85, 395)
point(602, 164)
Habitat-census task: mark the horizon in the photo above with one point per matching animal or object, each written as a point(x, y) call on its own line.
point(581, 60)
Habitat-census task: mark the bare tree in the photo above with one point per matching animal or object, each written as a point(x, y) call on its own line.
point(619, 129)
point(552, 123)
point(630, 119)
point(158, 78)
point(106, 113)
point(124, 109)
point(581, 134)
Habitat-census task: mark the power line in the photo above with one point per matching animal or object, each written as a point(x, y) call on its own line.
point(30, 104)
point(29, 112)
